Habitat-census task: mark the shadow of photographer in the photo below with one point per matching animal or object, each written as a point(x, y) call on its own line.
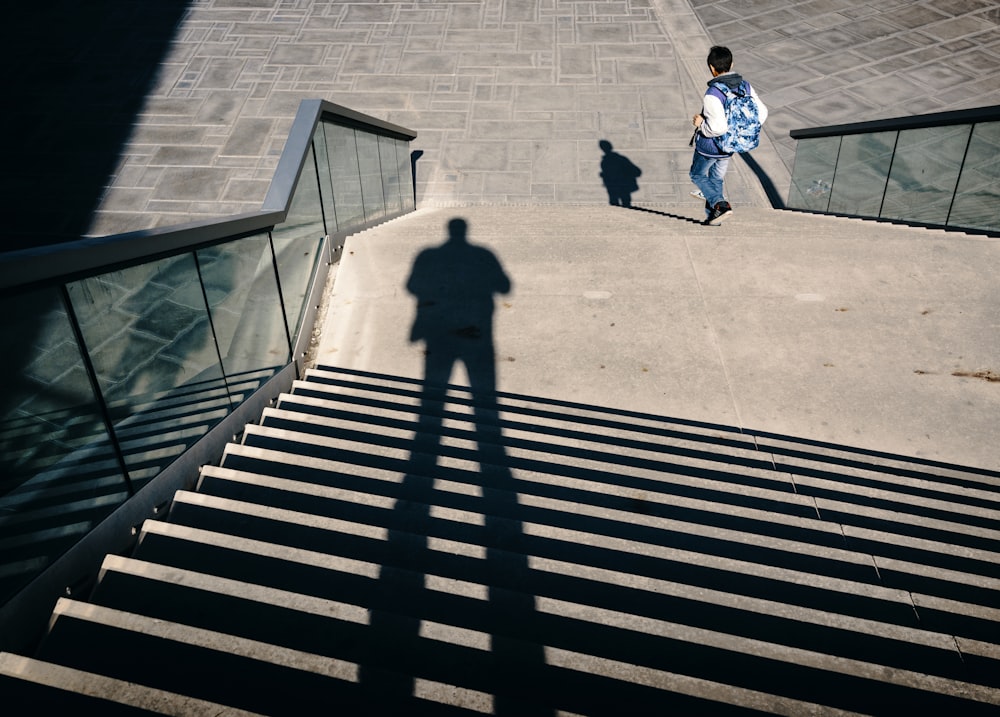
point(454, 285)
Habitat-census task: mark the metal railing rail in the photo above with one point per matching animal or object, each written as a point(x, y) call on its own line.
point(59, 263)
point(134, 358)
point(933, 119)
point(937, 170)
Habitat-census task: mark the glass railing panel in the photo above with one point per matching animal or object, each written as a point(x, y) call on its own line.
point(148, 335)
point(371, 176)
point(390, 174)
point(245, 307)
point(977, 202)
point(862, 171)
point(322, 150)
point(925, 173)
point(405, 171)
point(812, 176)
point(58, 472)
point(345, 174)
point(297, 244)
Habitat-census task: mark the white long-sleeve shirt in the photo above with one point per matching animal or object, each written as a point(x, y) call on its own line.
point(715, 124)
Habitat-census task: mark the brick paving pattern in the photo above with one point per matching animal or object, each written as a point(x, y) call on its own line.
point(510, 97)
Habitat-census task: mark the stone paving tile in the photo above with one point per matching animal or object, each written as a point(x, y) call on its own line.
point(860, 61)
point(511, 97)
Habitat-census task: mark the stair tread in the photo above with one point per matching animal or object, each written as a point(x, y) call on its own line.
point(106, 689)
point(555, 568)
point(807, 469)
point(578, 615)
point(819, 560)
point(595, 472)
point(425, 695)
point(501, 497)
point(908, 525)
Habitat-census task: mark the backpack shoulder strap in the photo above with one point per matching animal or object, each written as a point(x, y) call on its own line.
point(721, 90)
point(727, 92)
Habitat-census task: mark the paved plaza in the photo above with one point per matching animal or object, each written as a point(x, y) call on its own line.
point(156, 118)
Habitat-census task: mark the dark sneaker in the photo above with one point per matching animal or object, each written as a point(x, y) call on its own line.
point(719, 212)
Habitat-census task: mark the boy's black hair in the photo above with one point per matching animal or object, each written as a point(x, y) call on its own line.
point(720, 58)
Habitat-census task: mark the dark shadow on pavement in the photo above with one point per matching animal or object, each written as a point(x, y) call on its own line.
point(415, 155)
point(619, 175)
point(667, 214)
point(76, 76)
point(773, 194)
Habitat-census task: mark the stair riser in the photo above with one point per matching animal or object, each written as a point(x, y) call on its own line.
point(401, 550)
point(499, 614)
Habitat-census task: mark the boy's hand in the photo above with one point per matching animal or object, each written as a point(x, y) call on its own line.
point(697, 120)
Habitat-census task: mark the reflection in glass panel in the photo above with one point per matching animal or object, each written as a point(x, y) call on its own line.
point(977, 204)
point(405, 172)
point(812, 178)
point(147, 332)
point(297, 244)
point(246, 311)
point(345, 175)
point(148, 335)
point(924, 174)
point(390, 174)
point(862, 170)
point(58, 471)
point(371, 176)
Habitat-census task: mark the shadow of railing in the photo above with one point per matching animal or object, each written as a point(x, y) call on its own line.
point(65, 499)
point(678, 217)
point(671, 564)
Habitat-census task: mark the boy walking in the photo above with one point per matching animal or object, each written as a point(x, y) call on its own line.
point(708, 168)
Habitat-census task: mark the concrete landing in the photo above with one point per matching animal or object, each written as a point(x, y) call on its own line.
point(860, 334)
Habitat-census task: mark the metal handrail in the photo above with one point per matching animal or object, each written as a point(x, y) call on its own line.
point(59, 263)
point(953, 200)
point(23, 616)
point(934, 119)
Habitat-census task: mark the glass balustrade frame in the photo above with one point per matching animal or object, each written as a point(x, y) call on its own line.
point(135, 358)
point(939, 170)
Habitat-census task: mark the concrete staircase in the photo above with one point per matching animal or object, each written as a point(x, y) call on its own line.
point(377, 545)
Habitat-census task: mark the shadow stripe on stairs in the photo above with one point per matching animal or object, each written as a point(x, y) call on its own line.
point(551, 520)
point(71, 683)
point(957, 540)
point(446, 550)
point(444, 634)
point(557, 607)
point(978, 510)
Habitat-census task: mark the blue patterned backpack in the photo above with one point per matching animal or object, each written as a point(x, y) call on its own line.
point(742, 117)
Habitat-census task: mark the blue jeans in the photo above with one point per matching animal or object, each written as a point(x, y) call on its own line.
point(708, 173)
